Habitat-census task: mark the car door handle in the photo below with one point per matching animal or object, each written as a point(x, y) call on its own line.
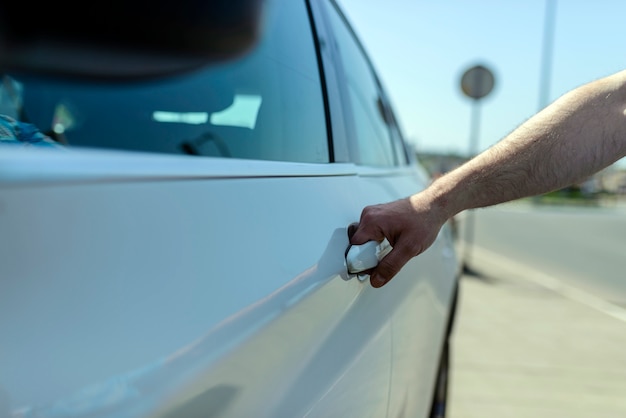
point(366, 256)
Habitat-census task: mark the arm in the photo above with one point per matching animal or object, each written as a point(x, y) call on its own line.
point(579, 134)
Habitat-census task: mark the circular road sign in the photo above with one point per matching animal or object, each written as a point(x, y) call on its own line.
point(477, 82)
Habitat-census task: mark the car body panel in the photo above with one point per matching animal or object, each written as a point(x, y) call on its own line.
point(133, 276)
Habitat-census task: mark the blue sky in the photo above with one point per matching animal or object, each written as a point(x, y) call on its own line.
point(421, 49)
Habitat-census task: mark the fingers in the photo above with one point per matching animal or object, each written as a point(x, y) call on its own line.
point(388, 267)
point(352, 228)
point(358, 234)
point(368, 229)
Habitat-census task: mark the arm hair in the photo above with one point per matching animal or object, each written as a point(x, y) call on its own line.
point(579, 134)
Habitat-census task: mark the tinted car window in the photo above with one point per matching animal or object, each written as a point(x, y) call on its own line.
point(397, 138)
point(374, 146)
point(267, 105)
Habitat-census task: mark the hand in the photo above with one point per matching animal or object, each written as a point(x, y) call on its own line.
point(410, 225)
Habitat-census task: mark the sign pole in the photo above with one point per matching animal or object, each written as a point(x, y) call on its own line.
point(476, 83)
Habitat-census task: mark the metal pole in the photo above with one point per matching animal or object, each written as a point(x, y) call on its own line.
point(546, 56)
point(469, 216)
point(474, 128)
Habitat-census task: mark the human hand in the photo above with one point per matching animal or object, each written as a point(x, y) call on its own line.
point(410, 225)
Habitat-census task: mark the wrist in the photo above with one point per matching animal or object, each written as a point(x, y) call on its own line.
point(437, 201)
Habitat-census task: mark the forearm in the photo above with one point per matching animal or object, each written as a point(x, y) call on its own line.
point(579, 134)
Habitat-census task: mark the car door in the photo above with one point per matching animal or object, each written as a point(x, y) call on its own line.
point(421, 295)
point(138, 283)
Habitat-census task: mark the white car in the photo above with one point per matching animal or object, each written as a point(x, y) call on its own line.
point(175, 246)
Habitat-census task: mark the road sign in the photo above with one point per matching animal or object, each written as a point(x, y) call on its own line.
point(477, 82)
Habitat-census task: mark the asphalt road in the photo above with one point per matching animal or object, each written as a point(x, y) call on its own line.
point(584, 247)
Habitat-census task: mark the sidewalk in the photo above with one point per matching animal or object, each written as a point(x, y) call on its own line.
point(527, 348)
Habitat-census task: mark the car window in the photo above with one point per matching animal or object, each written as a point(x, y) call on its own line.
point(401, 149)
point(266, 105)
point(372, 134)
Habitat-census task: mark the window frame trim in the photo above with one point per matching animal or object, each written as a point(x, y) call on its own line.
point(395, 134)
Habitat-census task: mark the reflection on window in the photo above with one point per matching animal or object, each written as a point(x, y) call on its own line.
point(373, 144)
point(10, 97)
point(192, 118)
point(63, 119)
point(242, 113)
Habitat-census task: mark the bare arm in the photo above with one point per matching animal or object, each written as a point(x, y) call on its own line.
point(579, 134)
